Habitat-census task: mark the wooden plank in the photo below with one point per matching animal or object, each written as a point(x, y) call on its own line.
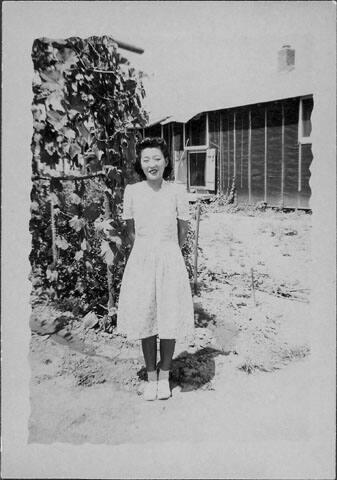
point(130, 48)
point(274, 145)
point(257, 153)
point(241, 156)
point(291, 153)
point(67, 177)
point(305, 175)
point(53, 230)
point(299, 167)
point(249, 156)
point(265, 153)
point(234, 143)
point(282, 156)
point(195, 272)
point(220, 182)
point(228, 155)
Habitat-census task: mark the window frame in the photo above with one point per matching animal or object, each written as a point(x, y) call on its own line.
point(301, 139)
point(197, 147)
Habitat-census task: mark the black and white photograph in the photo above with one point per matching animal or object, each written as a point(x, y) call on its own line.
point(168, 239)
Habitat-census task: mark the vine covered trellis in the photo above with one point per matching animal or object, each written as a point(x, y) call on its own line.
point(87, 106)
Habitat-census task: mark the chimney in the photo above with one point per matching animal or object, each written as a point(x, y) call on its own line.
point(286, 59)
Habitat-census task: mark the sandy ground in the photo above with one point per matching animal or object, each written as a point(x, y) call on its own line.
point(86, 386)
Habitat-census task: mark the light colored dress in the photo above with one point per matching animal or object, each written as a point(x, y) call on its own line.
point(155, 296)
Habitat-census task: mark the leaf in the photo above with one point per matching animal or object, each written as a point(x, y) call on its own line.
point(77, 223)
point(103, 225)
point(54, 198)
point(34, 207)
point(92, 212)
point(116, 240)
point(88, 265)
point(78, 255)
point(56, 119)
point(112, 311)
point(84, 244)
point(93, 164)
point(90, 320)
point(83, 132)
point(62, 243)
point(51, 76)
point(55, 101)
point(51, 275)
point(106, 253)
point(68, 133)
point(74, 198)
point(74, 150)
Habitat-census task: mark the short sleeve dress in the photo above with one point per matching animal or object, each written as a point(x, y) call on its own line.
point(155, 296)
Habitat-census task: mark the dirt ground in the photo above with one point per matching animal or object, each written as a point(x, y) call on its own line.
point(246, 376)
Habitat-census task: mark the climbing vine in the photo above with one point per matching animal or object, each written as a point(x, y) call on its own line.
point(87, 106)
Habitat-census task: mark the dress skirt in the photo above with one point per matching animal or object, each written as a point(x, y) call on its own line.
point(155, 296)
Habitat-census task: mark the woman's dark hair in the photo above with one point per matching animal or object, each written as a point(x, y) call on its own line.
point(152, 142)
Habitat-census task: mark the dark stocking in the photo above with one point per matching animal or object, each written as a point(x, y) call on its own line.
point(166, 353)
point(149, 346)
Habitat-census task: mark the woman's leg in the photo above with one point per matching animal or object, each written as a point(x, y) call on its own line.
point(167, 346)
point(149, 346)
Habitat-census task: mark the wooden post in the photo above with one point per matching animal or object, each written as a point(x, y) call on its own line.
point(220, 155)
point(253, 286)
point(53, 228)
point(228, 156)
point(107, 215)
point(299, 174)
point(172, 147)
point(299, 166)
point(282, 158)
point(234, 144)
point(195, 279)
point(265, 154)
point(249, 156)
point(241, 159)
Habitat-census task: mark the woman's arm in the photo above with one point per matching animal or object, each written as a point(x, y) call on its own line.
point(130, 230)
point(182, 231)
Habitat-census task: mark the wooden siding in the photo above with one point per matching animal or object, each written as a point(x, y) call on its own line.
point(305, 193)
point(291, 148)
point(259, 145)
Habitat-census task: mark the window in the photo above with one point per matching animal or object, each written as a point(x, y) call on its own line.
point(178, 134)
point(197, 167)
point(196, 132)
point(304, 126)
point(201, 169)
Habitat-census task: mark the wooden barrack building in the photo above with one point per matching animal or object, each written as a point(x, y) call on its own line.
point(262, 140)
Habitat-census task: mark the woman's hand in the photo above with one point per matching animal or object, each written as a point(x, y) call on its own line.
point(182, 231)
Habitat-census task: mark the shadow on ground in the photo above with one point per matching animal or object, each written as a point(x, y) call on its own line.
point(191, 371)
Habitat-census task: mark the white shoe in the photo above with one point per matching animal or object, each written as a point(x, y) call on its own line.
point(150, 390)
point(163, 391)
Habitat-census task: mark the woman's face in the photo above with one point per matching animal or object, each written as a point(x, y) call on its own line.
point(153, 163)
